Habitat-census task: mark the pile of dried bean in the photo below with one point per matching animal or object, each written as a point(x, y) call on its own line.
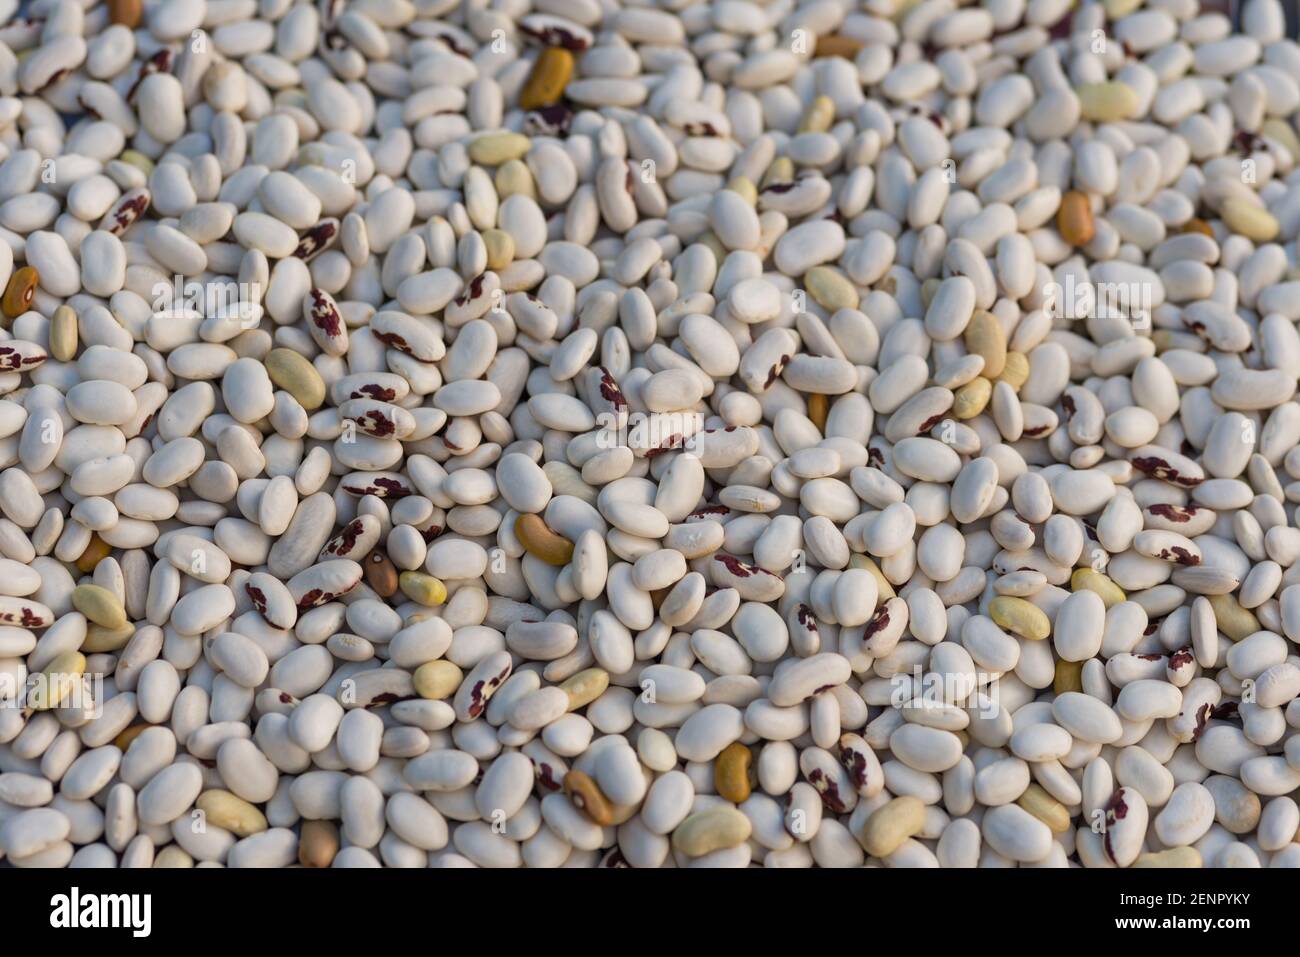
point(698, 433)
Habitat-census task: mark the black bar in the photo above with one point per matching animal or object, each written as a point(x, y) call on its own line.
point(364, 907)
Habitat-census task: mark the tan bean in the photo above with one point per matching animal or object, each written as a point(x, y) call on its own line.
point(1173, 857)
point(1068, 677)
point(585, 687)
point(986, 338)
point(588, 798)
point(1016, 370)
point(713, 829)
point(63, 334)
point(96, 550)
point(231, 812)
point(547, 80)
point(538, 538)
point(1046, 808)
point(835, 45)
point(1074, 219)
point(99, 638)
point(295, 375)
point(124, 739)
point(971, 399)
point(125, 12)
point(1111, 594)
point(99, 605)
point(437, 679)
point(1020, 617)
point(731, 773)
point(891, 824)
point(818, 410)
point(20, 292)
point(57, 682)
point(318, 843)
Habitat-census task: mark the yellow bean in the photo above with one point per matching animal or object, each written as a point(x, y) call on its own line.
point(1173, 857)
point(422, 589)
point(781, 170)
point(1111, 594)
point(56, 683)
point(493, 149)
point(884, 587)
point(138, 160)
point(547, 79)
point(731, 773)
point(971, 399)
point(1016, 370)
point(63, 334)
point(295, 375)
point(745, 187)
point(1046, 808)
point(818, 410)
point(500, 248)
point(1108, 102)
point(514, 179)
point(986, 338)
point(1021, 617)
point(1254, 222)
point(436, 680)
point(830, 288)
point(891, 824)
point(819, 117)
point(173, 856)
point(124, 739)
point(99, 605)
point(99, 638)
point(713, 829)
point(585, 687)
point(1068, 677)
point(231, 812)
point(96, 551)
point(1231, 619)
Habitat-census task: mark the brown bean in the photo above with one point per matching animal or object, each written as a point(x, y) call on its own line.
point(124, 738)
point(1074, 219)
point(318, 843)
point(835, 45)
point(587, 798)
point(540, 540)
point(818, 409)
point(20, 292)
point(96, 550)
point(381, 574)
point(126, 12)
point(1068, 677)
point(546, 82)
point(731, 776)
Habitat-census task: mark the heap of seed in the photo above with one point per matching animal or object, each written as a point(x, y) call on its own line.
point(707, 433)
